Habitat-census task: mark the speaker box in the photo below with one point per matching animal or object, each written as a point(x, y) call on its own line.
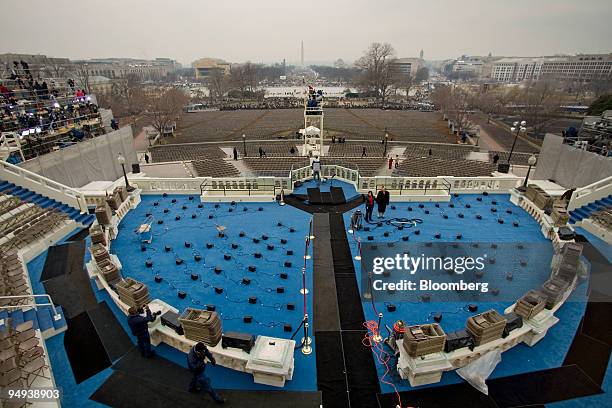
point(135, 168)
point(241, 341)
point(503, 167)
point(170, 319)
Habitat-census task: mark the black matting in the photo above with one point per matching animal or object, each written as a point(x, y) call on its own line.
point(80, 236)
point(542, 387)
point(314, 196)
point(56, 263)
point(325, 302)
point(360, 369)
point(319, 208)
point(326, 198)
point(523, 390)
point(72, 289)
point(84, 348)
point(114, 339)
point(165, 385)
point(331, 376)
point(337, 195)
point(449, 396)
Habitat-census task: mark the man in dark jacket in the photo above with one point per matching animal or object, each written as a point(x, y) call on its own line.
point(139, 325)
point(196, 361)
point(382, 199)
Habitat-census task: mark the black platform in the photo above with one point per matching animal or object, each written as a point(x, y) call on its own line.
point(335, 196)
point(157, 382)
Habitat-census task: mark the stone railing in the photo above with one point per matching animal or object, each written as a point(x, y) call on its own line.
point(590, 193)
point(42, 185)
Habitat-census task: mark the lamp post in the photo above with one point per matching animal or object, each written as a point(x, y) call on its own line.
point(517, 127)
point(244, 144)
point(386, 139)
point(531, 161)
point(121, 161)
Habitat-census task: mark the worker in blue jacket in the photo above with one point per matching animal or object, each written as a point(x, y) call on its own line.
point(196, 361)
point(139, 325)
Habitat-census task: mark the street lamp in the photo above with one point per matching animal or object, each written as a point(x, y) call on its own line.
point(531, 161)
point(244, 144)
point(517, 127)
point(121, 161)
point(386, 139)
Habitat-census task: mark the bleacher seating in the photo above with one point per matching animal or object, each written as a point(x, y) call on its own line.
point(441, 151)
point(432, 167)
point(22, 358)
point(277, 149)
point(46, 113)
point(22, 223)
point(517, 157)
point(27, 196)
point(374, 149)
point(275, 166)
point(603, 218)
point(368, 167)
point(215, 168)
point(181, 152)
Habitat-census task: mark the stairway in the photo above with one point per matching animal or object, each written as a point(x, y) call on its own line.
point(45, 202)
point(42, 317)
point(585, 211)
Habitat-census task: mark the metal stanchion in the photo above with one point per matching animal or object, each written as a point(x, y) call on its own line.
point(306, 340)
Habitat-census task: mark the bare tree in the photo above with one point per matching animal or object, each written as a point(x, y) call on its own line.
point(538, 103)
point(56, 70)
point(454, 103)
point(375, 65)
point(81, 74)
point(217, 83)
point(164, 107)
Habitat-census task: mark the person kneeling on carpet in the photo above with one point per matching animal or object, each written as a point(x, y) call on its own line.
point(196, 361)
point(139, 325)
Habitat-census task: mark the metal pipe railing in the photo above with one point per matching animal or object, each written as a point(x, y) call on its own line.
point(56, 316)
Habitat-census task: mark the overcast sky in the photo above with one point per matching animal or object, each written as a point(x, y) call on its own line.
point(270, 30)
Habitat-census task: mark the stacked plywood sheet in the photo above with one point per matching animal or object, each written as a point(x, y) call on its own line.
point(99, 252)
point(486, 326)
point(97, 235)
point(530, 304)
point(201, 325)
point(532, 192)
point(103, 214)
point(554, 289)
point(568, 266)
point(542, 200)
point(424, 339)
point(114, 201)
point(121, 191)
point(133, 293)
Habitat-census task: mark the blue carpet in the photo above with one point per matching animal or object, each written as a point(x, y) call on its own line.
point(550, 351)
point(269, 312)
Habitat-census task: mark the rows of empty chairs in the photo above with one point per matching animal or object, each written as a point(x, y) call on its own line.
point(214, 168)
point(22, 223)
point(181, 152)
point(406, 124)
point(13, 281)
point(441, 151)
point(432, 167)
point(279, 149)
point(603, 218)
point(275, 166)
point(517, 157)
point(368, 167)
point(22, 358)
point(375, 149)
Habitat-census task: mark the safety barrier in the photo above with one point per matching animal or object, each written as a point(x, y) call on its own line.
point(42, 185)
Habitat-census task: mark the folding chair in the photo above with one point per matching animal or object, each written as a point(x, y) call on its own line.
point(27, 345)
point(33, 369)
